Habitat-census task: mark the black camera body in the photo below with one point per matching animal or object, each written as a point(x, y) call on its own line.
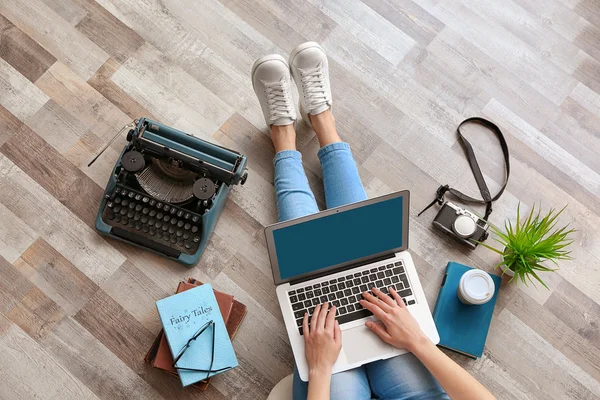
point(461, 224)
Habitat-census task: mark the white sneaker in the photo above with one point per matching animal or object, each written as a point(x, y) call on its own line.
point(310, 70)
point(272, 84)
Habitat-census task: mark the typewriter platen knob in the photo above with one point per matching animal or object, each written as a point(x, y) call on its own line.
point(133, 161)
point(244, 178)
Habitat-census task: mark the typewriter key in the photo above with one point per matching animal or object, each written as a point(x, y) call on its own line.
point(152, 231)
point(125, 202)
point(187, 216)
point(131, 206)
point(173, 221)
point(173, 211)
point(118, 218)
point(131, 223)
point(180, 213)
point(159, 216)
point(130, 214)
point(133, 161)
point(188, 245)
point(165, 228)
point(152, 202)
point(186, 235)
point(195, 218)
point(166, 218)
point(145, 228)
point(118, 190)
point(159, 234)
point(179, 242)
point(138, 226)
point(124, 192)
point(179, 233)
point(159, 205)
point(180, 223)
point(152, 213)
point(145, 210)
point(124, 220)
point(131, 194)
point(151, 221)
point(196, 239)
point(111, 215)
point(187, 226)
point(145, 199)
point(138, 197)
point(123, 211)
point(204, 189)
point(117, 208)
point(167, 207)
point(138, 207)
point(173, 239)
point(171, 229)
point(117, 200)
point(144, 219)
point(194, 229)
point(110, 204)
point(137, 216)
point(158, 224)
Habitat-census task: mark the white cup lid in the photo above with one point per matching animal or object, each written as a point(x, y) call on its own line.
point(477, 286)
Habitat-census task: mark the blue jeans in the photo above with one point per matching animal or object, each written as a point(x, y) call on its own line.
point(402, 377)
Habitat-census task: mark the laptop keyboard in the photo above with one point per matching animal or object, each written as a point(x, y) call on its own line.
point(345, 292)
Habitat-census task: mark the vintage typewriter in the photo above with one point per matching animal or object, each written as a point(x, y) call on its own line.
point(167, 191)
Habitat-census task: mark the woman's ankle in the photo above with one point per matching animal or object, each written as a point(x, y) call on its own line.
point(283, 137)
point(324, 126)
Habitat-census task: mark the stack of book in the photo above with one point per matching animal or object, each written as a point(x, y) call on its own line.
point(177, 315)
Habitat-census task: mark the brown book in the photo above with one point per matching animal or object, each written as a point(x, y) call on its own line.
point(233, 312)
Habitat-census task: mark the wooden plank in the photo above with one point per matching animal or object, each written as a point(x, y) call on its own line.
point(58, 226)
point(93, 364)
point(101, 81)
point(23, 53)
point(22, 356)
point(15, 236)
point(58, 278)
point(59, 38)
point(9, 125)
point(69, 10)
point(107, 31)
point(17, 94)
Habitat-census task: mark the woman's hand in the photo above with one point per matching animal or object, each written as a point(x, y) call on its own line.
point(398, 327)
point(322, 340)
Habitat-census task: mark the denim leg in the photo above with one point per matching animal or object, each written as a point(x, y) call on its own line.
point(340, 175)
point(348, 385)
point(294, 197)
point(403, 377)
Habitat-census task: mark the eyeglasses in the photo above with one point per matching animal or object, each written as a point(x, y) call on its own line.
point(205, 327)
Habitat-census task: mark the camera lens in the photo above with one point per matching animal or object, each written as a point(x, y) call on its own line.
point(464, 226)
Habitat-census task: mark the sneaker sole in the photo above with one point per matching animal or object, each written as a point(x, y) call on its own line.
point(262, 60)
point(301, 47)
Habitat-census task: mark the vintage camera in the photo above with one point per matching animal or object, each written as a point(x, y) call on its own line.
point(462, 224)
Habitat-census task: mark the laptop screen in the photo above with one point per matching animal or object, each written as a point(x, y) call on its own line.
point(342, 237)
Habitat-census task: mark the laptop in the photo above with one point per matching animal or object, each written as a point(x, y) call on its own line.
point(334, 256)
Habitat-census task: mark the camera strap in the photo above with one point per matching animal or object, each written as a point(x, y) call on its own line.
point(483, 189)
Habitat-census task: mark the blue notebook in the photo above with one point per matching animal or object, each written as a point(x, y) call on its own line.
point(182, 316)
point(463, 328)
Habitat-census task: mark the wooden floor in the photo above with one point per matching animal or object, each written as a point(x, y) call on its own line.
point(77, 311)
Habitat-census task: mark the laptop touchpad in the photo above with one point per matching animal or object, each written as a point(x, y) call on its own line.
point(361, 344)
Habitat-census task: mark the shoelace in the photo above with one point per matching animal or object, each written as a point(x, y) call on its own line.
point(313, 86)
point(278, 100)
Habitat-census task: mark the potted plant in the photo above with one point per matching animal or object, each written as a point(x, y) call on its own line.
point(528, 244)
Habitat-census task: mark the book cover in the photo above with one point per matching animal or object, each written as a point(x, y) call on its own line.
point(236, 316)
point(463, 328)
point(163, 358)
point(182, 316)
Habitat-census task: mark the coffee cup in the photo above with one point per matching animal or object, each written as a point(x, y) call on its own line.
point(476, 287)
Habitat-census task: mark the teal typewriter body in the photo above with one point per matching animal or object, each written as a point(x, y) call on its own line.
point(167, 191)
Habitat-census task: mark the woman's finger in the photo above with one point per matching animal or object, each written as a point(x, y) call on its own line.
point(374, 300)
point(305, 330)
point(322, 316)
point(374, 308)
point(330, 321)
point(398, 298)
point(379, 330)
point(384, 297)
point(314, 319)
point(337, 332)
